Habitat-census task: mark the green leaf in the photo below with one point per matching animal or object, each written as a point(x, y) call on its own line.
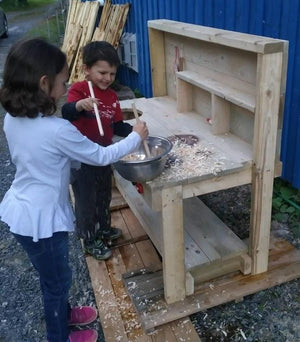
point(287, 192)
point(290, 210)
point(278, 217)
point(277, 202)
point(284, 208)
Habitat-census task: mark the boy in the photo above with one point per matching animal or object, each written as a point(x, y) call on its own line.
point(92, 184)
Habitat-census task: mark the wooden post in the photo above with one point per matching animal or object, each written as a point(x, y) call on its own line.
point(269, 68)
point(173, 244)
point(184, 96)
point(158, 64)
point(220, 114)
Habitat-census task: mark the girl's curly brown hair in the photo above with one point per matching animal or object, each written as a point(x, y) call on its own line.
point(26, 63)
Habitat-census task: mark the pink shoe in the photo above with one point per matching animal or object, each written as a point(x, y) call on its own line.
point(90, 335)
point(82, 315)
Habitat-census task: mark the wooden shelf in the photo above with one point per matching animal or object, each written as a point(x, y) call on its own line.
point(232, 39)
point(232, 90)
point(208, 241)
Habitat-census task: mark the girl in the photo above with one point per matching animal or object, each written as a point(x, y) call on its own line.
point(42, 146)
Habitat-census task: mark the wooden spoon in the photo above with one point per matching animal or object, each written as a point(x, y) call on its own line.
point(146, 147)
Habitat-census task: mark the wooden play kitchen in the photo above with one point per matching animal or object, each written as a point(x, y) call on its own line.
point(227, 90)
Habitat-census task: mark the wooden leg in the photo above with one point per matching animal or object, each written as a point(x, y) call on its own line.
point(264, 147)
point(173, 244)
point(184, 96)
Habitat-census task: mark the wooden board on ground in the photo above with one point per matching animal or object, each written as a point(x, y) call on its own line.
point(117, 200)
point(119, 319)
point(284, 265)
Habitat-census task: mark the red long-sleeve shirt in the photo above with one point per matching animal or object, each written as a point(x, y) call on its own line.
point(109, 110)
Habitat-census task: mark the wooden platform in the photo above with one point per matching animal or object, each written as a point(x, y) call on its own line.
point(129, 287)
point(147, 292)
point(119, 319)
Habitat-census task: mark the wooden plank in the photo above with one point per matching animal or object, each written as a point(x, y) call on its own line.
point(223, 37)
point(136, 229)
point(130, 319)
point(120, 26)
point(265, 132)
point(285, 267)
point(117, 201)
point(198, 55)
point(182, 330)
point(220, 115)
point(221, 182)
point(194, 253)
point(144, 214)
point(219, 84)
point(173, 244)
point(111, 320)
point(221, 267)
point(104, 15)
point(163, 334)
point(157, 59)
point(184, 96)
point(199, 219)
point(118, 222)
point(148, 254)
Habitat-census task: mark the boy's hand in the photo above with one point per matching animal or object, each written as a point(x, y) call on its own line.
point(86, 104)
point(142, 129)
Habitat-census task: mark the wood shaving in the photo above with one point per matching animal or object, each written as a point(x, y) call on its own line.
point(186, 161)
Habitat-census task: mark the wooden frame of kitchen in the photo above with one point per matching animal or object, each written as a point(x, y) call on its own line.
point(226, 88)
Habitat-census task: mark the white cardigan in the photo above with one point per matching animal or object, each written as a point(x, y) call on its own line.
point(37, 203)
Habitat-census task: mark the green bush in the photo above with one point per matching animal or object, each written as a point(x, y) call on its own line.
point(286, 205)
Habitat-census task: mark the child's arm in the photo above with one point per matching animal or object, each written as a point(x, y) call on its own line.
point(73, 110)
point(69, 111)
point(122, 129)
point(78, 147)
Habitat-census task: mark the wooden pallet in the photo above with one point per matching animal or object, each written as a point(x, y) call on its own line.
point(119, 318)
point(146, 287)
point(129, 287)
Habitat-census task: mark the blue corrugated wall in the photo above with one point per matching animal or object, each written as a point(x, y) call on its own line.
point(272, 18)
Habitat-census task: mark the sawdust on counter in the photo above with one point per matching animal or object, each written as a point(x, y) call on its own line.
point(186, 161)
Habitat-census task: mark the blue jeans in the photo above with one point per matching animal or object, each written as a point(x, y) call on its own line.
point(50, 257)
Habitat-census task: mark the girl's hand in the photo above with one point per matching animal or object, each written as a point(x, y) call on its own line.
point(86, 104)
point(142, 129)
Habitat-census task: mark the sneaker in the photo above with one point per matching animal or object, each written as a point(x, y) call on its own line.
point(82, 315)
point(98, 250)
point(89, 335)
point(111, 233)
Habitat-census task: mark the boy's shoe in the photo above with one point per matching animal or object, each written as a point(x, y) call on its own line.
point(82, 315)
point(111, 233)
point(98, 250)
point(89, 335)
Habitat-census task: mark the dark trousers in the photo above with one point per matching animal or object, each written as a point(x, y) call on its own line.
point(50, 257)
point(92, 190)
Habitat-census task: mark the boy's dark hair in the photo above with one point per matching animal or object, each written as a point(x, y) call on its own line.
point(99, 51)
point(26, 63)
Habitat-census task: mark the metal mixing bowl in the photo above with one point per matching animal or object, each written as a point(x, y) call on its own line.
point(136, 167)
